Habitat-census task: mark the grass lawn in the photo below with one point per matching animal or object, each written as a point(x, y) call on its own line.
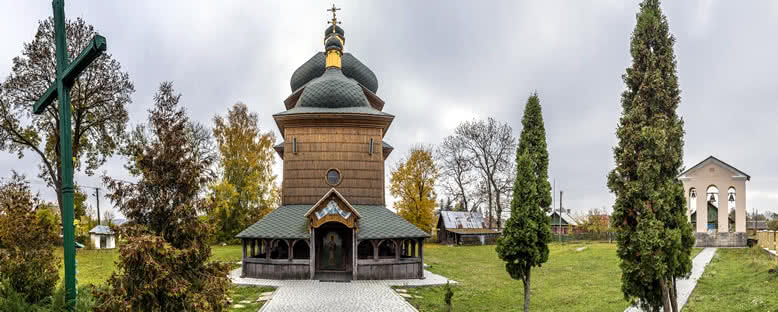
point(696, 251)
point(587, 280)
point(96, 266)
point(249, 297)
point(736, 280)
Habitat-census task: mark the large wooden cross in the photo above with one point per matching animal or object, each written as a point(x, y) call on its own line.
point(60, 89)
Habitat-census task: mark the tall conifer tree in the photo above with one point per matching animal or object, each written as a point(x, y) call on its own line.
point(653, 233)
point(524, 242)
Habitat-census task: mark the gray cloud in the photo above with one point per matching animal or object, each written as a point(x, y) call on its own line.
point(439, 63)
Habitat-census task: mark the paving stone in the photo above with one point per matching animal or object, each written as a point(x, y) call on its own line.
point(238, 306)
point(361, 295)
point(401, 290)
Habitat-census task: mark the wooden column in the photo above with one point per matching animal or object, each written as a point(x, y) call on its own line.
point(397, 251)
point(375, 249)
point(289, 246)
point(312, 257)
point(421, 258)
point(354, 244)
point(413, 248)
point(244, 247)
point(253, 242)
point(268, 247)
point(243, 266)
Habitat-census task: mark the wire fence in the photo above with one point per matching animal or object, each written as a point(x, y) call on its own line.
point(607, 237)
point(767, 239)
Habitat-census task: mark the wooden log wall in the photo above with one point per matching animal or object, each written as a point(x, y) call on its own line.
point(389, 269)
point(277, 269)
point(322, 148)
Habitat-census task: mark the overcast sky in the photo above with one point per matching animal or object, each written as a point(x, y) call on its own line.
point(439, 63)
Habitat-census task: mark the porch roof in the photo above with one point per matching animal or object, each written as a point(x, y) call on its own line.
point(289, 222)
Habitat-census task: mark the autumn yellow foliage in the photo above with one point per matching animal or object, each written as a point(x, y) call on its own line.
point(247, 190)
point(413, 185)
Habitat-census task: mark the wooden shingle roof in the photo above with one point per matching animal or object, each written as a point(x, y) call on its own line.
point(289, 222)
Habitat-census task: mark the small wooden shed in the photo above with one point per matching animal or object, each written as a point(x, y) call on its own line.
point(103, 237)
point(466, 228)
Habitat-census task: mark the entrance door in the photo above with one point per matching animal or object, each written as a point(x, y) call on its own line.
point(333, 248)
point(103, 242)
point(331, 253)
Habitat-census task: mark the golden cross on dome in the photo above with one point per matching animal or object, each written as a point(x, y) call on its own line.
point(334, 20)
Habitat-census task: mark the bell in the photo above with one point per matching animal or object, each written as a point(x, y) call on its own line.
point(731, 197)
point(712, 198)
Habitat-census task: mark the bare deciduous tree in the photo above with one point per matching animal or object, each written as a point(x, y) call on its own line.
point(492, 145)
point(456, 169)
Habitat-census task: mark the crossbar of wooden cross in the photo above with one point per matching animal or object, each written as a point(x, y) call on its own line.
point(96, 47)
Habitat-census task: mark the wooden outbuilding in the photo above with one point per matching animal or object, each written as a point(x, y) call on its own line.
point(103, 237)
point(464, 228)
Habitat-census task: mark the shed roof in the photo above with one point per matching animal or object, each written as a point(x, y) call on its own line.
point(289, 222)
point(101, 230)
point(462, 220)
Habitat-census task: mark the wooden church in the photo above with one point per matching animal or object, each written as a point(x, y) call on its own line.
point(333, 223)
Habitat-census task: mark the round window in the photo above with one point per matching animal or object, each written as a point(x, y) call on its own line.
point(333, 177)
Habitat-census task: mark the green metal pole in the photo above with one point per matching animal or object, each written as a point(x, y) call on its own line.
point(66, 155)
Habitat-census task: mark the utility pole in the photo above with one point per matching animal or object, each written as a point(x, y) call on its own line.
point(553, 196)
point(97, 198)
point(559, 222)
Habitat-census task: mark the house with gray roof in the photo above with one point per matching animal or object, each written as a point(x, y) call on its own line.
point(562, 222)
point(333, 223)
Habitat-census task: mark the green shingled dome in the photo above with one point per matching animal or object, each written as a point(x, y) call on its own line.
point(350, 65)
point(332, 90)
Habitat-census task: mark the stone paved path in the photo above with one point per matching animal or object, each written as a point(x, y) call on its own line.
point(685, 286)
point(312, 295)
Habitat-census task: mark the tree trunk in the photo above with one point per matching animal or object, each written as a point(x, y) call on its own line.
point(58, 188)
point(499, 207)
point(489, 196)
point(674, 296)
point(526, 281)
point(464, 196)
point(665, 295)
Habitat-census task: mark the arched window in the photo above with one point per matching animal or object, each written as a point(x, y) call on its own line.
point(301, 250)
point(365, 250)
point(731, 203)
point(692, 200)
point(731, 195)
point(386, 249)
point(712, 195)
point(279, 249)
point(405, 248)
